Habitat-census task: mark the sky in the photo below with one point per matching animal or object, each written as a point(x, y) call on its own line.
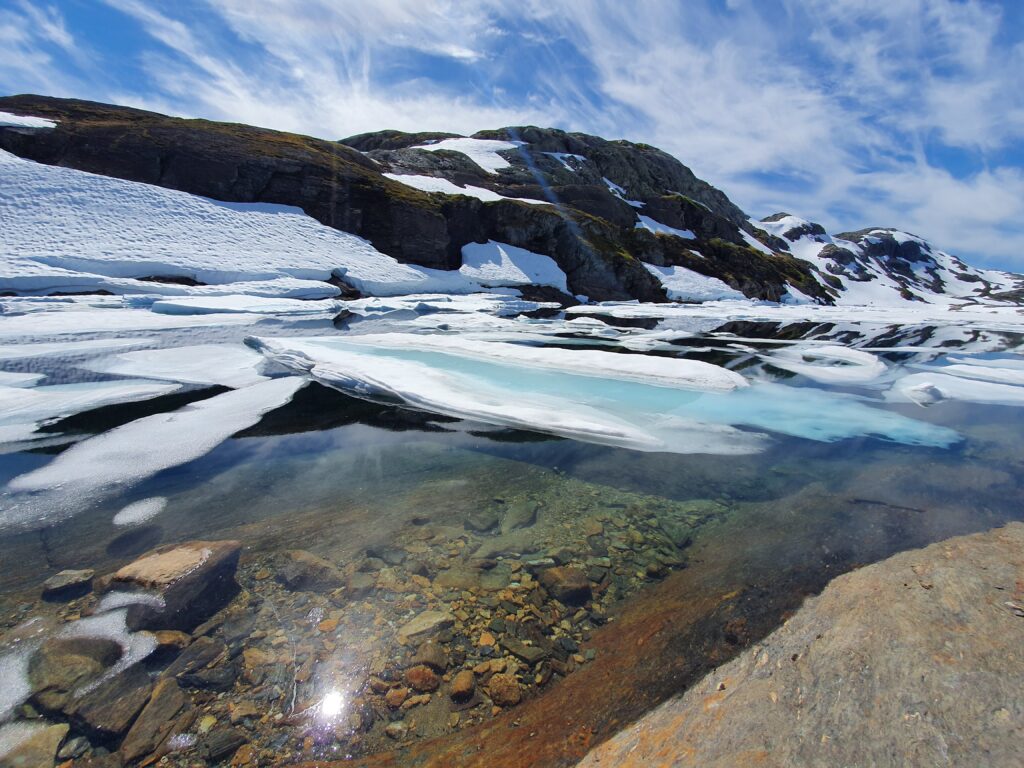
point(853, 113)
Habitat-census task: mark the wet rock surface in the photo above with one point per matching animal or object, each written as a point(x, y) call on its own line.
point(68, 585)
point(864, 674)
point(192, 580)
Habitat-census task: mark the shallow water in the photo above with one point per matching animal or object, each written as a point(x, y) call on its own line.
point(339, 476)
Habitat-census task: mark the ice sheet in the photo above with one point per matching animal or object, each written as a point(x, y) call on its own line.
point(625, 413)
point(257, 305)
point(116, 460)
point(828, 364)
point(932, 387)
point(657, 371)
point(232, 365)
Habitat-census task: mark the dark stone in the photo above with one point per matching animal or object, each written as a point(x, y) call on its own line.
point(304, 571)
point(531, 654)
point(220, 678)
point(168, 712)
point(359, 585)
point(220, 744)
point(68, 585)
point(201, 654)
point(62, 666)
point(566, 584)
point(110, 708)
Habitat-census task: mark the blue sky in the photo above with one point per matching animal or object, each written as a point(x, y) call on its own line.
point(905, 113)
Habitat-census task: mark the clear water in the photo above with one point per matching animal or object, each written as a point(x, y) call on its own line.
point(337, 476)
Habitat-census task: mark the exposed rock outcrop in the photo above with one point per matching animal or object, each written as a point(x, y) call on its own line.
point(912, 661)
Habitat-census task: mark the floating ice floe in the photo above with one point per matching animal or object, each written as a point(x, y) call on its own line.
point(631, 411)
point(116, 460)
point(682, 284)
point(483, 152)
point(67, 348)
point(79, 321)
point(828, 363)
point(14, 379)
point(23, 410)
point(231, 365)
point(657, 371)
point(934, 386)
point(139, 512)
point(256, 305)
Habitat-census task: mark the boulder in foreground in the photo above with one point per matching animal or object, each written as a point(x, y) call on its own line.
point(912, 661)
point(192, 581)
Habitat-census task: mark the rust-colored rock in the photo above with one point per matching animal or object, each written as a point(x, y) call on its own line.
point(422, 678)
point(912, 661)
point(566, 584)
point(463, 685)
point(504, 690)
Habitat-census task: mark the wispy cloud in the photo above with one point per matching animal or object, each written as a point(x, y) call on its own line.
point(856, 112)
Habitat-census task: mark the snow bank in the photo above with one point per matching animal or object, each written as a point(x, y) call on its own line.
point(437, 184)
point(25, 121)
point(483, 152)
point(682, 284)
point(934, 386)
point(646, 222)
point(500, 264)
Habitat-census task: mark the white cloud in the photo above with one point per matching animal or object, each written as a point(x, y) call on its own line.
point(846, 99)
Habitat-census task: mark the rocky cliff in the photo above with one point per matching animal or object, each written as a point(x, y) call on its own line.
point(622, 220)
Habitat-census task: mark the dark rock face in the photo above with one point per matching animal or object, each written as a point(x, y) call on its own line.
point(589, 230)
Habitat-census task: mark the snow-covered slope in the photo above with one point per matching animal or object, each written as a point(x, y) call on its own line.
point(879, 266)
point(69, 231)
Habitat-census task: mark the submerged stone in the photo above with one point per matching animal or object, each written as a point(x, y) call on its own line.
point(520, 514)
point(67, 585)
point(168, 712)
point(194, 580)
point(62, 666)
point(38, 750)
point(566, 584)
point(303, 571)
point(424, 625)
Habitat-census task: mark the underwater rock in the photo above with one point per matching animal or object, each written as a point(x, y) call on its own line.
point(566, 584)
point(110, 708)
point(168, 712)
point(433, 655)
point(504, 690)
point(520, 514)
point(194, 580)
point(38, 750)
point(67, 585)
point(306, 572)
point(61, 666)
point(463, 685)
point(482, 520)
point(424, 625)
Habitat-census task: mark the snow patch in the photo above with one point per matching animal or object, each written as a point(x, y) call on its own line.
point(682, 284)
point(646, 222)
point(483, 152)
point(231, 365)
point(8, 120)
point(499, 264)
point(437, 184)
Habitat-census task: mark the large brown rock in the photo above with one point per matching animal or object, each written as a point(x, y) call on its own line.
point(193, 580)
point(109, 709)
point(566, 584)
point(915, 660)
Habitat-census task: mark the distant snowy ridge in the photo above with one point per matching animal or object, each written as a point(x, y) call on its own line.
point(887, 266)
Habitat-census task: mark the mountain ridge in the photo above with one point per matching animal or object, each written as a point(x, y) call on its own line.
point(622, 220)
